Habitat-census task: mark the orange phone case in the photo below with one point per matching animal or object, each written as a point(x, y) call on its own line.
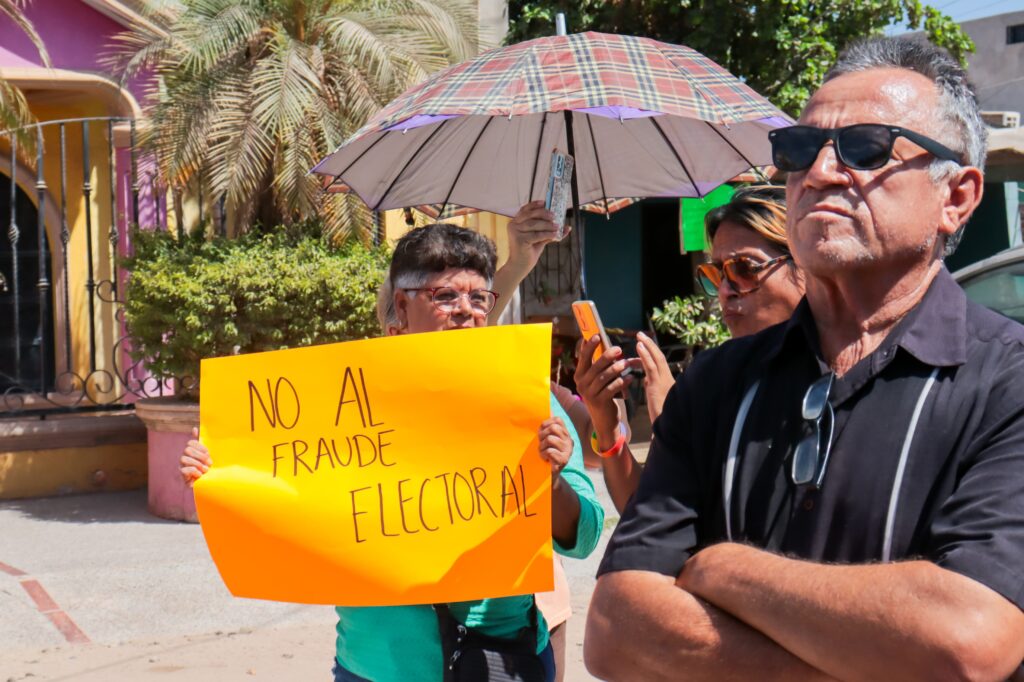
point(589, 323)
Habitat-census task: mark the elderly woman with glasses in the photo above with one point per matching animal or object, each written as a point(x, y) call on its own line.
point(441, 279)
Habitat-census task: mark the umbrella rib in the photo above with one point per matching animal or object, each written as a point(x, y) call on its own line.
point(570, 141)
point(671, 146)
point(536, 157)
point(731, 145)
point(356, 160)
point(577, 219)
point(600, 175)
point(411, 158)
point(464, 162)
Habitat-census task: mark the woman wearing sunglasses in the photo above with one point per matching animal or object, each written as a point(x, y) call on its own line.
point(751, 271)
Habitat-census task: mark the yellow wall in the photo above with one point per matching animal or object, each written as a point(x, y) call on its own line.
point(40, 473)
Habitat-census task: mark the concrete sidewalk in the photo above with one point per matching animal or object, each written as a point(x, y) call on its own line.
point(93, 588)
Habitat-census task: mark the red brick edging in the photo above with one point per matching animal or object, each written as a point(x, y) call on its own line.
point(47, 606)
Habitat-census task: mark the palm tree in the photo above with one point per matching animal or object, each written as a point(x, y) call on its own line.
point(14, 111)
point(250, 94)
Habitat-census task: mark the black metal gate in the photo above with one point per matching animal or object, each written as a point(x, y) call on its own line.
point(62, 344)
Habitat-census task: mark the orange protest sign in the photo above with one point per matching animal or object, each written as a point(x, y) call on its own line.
point(401, 470)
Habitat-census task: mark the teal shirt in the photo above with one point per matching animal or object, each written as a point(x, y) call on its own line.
point(401, 643)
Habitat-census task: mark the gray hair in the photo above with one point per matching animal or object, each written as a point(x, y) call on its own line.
point(418, 278)
point(961, 120)
point(386, 315)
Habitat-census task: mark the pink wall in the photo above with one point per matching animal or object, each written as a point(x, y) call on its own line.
point(75, 35)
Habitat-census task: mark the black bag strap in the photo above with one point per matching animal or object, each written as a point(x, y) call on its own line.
point(448, 623)
point(454, 633)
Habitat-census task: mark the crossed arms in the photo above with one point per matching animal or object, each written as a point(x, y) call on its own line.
point(736, 612)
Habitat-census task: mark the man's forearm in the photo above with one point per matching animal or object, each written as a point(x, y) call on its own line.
point(911, 620)
point(642, 627)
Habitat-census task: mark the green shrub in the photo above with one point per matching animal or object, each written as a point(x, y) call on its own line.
point(695, 320)
point(198, 298)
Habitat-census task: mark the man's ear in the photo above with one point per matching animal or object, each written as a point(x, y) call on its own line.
point(965, 190)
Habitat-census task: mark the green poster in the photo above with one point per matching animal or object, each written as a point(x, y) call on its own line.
point(691, 216)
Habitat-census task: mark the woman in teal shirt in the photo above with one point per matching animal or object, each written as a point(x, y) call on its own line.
point(392, 643)
point(439, 279)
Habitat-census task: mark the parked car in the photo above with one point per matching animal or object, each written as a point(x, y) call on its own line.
point(997, 282)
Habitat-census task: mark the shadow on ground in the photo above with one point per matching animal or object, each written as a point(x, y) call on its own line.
point(119, 507)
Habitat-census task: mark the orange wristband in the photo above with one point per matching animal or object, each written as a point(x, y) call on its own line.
point(620, 442)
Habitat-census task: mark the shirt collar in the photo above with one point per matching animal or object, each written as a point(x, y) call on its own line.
point(799, 329)
point(934, 331)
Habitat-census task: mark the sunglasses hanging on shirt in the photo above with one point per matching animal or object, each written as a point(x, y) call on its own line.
point(810, 458)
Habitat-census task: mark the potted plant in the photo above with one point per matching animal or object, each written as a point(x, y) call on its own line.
point(695, 320)
point(197, 297)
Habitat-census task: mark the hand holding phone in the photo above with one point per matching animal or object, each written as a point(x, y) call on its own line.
point(596, 389)
point(589, 322)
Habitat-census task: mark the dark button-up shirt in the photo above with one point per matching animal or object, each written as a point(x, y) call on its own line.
point(927, 454)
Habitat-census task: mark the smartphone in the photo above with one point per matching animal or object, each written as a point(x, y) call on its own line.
point(589, 322)
point(556, 199)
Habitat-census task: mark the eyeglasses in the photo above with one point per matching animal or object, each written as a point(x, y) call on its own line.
point(810, 459)
point(864, 146)
point(743, 273)
point(447, 300)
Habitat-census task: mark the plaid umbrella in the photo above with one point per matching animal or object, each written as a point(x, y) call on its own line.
point(642, 119)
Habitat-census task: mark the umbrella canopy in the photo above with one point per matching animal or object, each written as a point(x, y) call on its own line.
point(642, 119)
point(434, 211)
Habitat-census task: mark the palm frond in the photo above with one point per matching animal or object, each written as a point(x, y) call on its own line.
point(241, 151)
point(449, 25)
point(345, 217)
point(216, 30)
point(350, 37)
point(284, 86)
point(250, 94)
point(13, 10)
point(182, 126)
point(16, 117)
point(131, 53)
point(296, 190)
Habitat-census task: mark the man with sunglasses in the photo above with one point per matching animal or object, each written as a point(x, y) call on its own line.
point(840, 496)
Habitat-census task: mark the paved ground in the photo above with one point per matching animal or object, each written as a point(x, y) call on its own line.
point(93, 588)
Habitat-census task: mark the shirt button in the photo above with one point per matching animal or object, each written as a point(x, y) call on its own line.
point(808, 504)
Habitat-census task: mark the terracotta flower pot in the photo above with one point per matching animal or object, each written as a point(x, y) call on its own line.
point(170, 422)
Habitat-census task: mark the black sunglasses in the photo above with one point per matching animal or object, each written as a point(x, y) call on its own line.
point(864, 146)
point(810, 459)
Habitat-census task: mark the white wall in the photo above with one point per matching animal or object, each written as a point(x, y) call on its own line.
point(997, 69)
point(493, 22)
